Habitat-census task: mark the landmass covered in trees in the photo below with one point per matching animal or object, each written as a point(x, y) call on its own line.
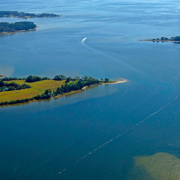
point(6, 28)
point(70, 84)
point(9, 28)
point(26, 15)
point(164, 39)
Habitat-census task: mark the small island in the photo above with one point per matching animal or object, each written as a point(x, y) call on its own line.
point(164, 39)
point(24, 15)
point(10, 28)
point(19, 90)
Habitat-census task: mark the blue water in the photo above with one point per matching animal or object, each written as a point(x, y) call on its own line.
point(94, 134)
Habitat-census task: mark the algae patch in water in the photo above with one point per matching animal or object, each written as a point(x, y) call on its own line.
point(160, 166)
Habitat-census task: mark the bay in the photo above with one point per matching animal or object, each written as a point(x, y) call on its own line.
point(96, 133)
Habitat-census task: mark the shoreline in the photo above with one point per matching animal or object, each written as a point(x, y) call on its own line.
point(6, 33)
point(69, 93)
point(116, 82)
point(155, 40)
point(85, 87)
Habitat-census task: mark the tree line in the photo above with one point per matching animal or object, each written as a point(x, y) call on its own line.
point(38, 97)
point(31, 79)
point(26, 15)
point(11, 78)
point(76, 85)
point(17, 26)
point(176, 38)
point(12, 86)
point(45, 95)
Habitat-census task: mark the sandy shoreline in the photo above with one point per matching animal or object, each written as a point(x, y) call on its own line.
point(72, 92)
point(85, 87)
point(117, 82)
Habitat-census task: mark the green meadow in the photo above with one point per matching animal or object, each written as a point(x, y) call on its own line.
point(36, 89)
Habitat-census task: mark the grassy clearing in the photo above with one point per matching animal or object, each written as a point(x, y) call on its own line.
point(36, 89)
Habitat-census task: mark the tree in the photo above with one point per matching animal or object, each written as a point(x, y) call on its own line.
point(46, 91)
point(33, 78)
point(17, 26)
point(2, 84)
point(59, 77)
point(106, 80)
point(68, 79)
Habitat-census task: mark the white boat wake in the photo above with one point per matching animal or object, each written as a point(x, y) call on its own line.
point(117, 60)
point(83, 40)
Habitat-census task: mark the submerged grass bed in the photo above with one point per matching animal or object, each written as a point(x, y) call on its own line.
point(160, 166)
point(36, 89)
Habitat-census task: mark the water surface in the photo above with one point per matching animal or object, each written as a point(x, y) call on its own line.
point(97, 133)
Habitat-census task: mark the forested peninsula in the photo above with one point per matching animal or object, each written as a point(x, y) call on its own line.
point(10, 28)
point(24, 15)
point(19, 90)
point(164, 39)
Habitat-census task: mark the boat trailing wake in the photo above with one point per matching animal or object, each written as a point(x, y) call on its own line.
point(113, 58)
point(83, 40)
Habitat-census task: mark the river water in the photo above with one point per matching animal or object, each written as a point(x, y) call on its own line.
point(94, 134)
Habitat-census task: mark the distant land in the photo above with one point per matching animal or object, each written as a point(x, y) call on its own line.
point(26, 15)
point(19, 90)
point(10, 28)
point(164, 39)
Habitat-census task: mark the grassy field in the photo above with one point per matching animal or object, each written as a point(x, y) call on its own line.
point(36, 89)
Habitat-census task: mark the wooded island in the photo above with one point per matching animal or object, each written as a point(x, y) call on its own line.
point(9, 28)
point(164, 39)
point(24, 15)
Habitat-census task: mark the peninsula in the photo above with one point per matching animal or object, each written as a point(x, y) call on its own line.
point(19, 90)
point(10, 28)
point(24, 15)
point(164, 39)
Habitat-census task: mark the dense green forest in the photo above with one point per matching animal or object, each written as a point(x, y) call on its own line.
point(26, 15)
point(17, 26)
point(11, 78)
point(73, 84)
